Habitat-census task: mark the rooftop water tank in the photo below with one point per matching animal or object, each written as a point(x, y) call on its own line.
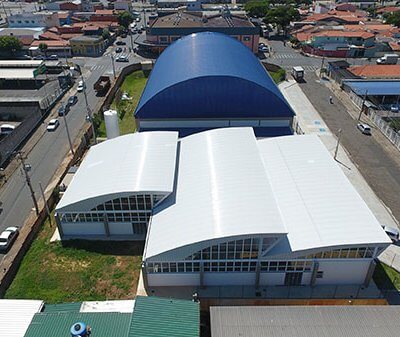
point(78, 330)
point(112, 127)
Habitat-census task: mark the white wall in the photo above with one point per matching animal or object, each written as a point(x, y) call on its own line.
point(343, 272)
point(173, 279)
point(229, 279)
point(272, 279)
point(120, 228)
point(83, 228)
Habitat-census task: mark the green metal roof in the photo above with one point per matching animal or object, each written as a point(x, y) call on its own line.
point(55, 324)
point(75, 307)
point(164, 317)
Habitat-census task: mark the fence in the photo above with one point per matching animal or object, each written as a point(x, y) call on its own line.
point(385, 128)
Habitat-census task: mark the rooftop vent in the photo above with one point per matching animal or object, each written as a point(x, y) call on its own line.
point(80, 329)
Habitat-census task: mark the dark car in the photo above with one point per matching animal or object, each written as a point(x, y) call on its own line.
point(120, 43)
point(7, 238)
point(72, 100)
point(63, 110)
point(118, 50)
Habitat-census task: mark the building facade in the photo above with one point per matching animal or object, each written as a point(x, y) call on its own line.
point(38, 19)
point(88, 45)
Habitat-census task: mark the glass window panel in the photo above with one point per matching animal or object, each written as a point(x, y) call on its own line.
point(117, 204)
point(343, 253)
point(222, 266)
point(245, 266)
point(229, 266)
point(253, 266)
point(206, 266)
point(326, 255)
point(318, 255)
point(181, 267)
point(369, 252)
point(214, 253)
point(140, 202)
point(172, 267)
point(149, 267)
point(206, 253)
point(335, 254)
point(238, 266)
point(196, 266)
point(352, 253)
point(264, 266)
point(165, 267)
point(109, 206)
point(231, 250)
point(189, 267)
point(214, 266)
point(118, 217)
point(157, 267)
point(133, 203)
point(222, 251)
point(282, 266)
point(361, 252)
point(100, 207)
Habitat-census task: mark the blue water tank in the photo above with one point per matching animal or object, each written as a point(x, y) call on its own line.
point(78, 329)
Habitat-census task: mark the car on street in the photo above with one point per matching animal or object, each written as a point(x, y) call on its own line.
point(118, 50)
point(392, 233)
point(63, 110)
point(139, 31)
point(53, 124)
point(7, 238)
point(52, 57)
point(39, 57)
point(137, 19)
point(81, 86)
point(120, 43)
point(72, 100)
point(134, 31)
point(262, 49)
point(122, 58)
point(394, 108)
point(364, 128)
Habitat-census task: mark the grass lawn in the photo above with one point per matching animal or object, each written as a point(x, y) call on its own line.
point(133, 85)
point(78, 271)
point(278, 76)
point(386, 277)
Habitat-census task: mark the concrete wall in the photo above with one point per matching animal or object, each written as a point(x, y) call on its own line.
point(83, 228)
point(343, 272)
point(229, 279)
point(176, 279)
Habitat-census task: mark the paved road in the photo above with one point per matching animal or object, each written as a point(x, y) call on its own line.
point(375, 164)
point(52, 147)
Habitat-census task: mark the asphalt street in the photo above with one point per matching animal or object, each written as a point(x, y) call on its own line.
point(378, 168)
point(47, 155)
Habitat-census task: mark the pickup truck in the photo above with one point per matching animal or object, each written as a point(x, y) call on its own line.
point(102, 85)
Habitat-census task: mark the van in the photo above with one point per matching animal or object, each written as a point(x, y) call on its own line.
point(6, 129)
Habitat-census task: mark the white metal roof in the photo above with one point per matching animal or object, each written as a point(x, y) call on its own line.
point(16, 315)
point(122, 306)
point(222, 190)
point(17, 73)
point(138, 162)
point(318, 204)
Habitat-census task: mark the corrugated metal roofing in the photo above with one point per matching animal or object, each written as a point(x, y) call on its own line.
point(309, 321)
point(16, 315)
point(374, 88)
point(138, 162)
point(210, 75)
point(163, 317)
point(59, 324)
point(317, 211)
point(74, 307)
point(222, 190)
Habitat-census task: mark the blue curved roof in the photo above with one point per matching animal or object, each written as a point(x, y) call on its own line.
point(210, 75)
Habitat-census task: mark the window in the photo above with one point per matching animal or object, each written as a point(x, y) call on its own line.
point(246, 38)
point(320, 274)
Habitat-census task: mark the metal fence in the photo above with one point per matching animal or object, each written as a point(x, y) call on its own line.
point(385, 128)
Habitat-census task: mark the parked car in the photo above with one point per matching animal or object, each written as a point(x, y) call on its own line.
point(394, 108)
point(364, 128)
point(118, 50)
point(137, 19)
point(81, 86)
point(72, 100)
point(134, 31)
point(53, 124)
point(63, 110)
point(392, 233)
point(7, 238)
point(6, 129)
point(122, 58)
point(39, 57)
point(262, 49)
point(120, 43)
point(53, 58)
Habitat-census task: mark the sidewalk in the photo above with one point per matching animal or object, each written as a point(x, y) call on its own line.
point(311, 122)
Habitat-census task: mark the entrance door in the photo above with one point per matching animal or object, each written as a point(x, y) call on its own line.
point(293, 279)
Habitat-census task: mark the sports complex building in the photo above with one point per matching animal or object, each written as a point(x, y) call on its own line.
point(222, 207)
point(210, 80)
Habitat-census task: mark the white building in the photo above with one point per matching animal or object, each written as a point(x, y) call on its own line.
point(123, 5)
point(224, 208)
point(37, 19)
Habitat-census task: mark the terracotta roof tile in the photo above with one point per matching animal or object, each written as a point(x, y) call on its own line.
point(377, 70)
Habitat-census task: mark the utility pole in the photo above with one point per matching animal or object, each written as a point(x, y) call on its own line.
point(89, 112)
point(45, 202)
point(362, 104)
point(113, 65)
point(338, 143)
point(26, 168)
point(322, 66)
point(71, 147)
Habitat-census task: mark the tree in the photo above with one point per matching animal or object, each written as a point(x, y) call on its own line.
point(281, 16)
point(394, 19)
point(257, 8)
point(43, 48)
point(105, 34)
point(125, 19)
point(9, 45)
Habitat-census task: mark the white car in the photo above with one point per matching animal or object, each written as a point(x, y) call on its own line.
point(364, 128)
point(122, 58)
point(81, 86)
point(392, 233)
point(394, 108)
point(262, 49)
point(7, 237)
point(53, 124)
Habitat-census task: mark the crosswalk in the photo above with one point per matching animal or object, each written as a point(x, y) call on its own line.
point(285, 56)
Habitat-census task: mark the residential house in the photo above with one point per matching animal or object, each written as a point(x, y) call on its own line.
point(377, 71)
point(86, 45)
point(36, 19)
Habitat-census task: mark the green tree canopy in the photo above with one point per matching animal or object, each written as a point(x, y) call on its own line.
point(43, 47)
point(9, 45)
point(394, 19)
point(125, 19)
point(105, 34)
point(281, 16)
point(257, 8)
